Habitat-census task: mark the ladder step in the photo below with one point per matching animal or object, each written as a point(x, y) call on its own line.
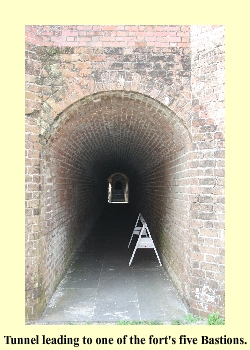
point(145, 243)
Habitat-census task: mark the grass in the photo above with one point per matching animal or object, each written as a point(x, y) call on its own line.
point(212, 319)
point(176, 322)
point(125, 323)
point(189, 319)
point(121, 323)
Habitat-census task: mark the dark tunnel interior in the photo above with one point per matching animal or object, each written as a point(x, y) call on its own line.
point(96, 137)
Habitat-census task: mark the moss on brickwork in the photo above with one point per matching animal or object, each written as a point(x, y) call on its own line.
point(47, 52)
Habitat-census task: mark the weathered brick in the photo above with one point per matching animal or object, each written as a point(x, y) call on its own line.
point(180, 188)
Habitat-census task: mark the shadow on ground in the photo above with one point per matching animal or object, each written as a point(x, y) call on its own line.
point(100, 286)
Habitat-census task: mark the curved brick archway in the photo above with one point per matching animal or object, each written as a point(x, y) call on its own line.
point(150, 106)
point(106, 133)
point(72, 92)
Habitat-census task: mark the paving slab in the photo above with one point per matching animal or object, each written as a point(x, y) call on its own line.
point(70, 305)
point(100, 286)
point(162, 298)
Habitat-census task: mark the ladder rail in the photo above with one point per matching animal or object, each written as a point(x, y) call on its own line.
point(135, 230)
point(136, 246)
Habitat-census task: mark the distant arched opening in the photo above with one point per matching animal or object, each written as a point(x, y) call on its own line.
point(118, 188)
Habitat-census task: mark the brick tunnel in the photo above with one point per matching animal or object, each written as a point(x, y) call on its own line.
point(116, 132)
point(78, 139)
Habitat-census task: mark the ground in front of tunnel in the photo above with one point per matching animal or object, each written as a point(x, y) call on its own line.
point(100, 286)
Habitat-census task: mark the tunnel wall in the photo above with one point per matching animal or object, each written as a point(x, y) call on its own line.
point(108, 132)
point(208, 200)
point(152, 71)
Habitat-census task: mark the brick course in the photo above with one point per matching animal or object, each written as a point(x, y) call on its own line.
point(167, 36)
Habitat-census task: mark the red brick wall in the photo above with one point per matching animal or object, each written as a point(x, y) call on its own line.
point(126, 85)
point(207, 239)
point(32, 212)
point(109, 36)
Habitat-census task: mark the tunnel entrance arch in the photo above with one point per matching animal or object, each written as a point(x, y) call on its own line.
point(118, 188)
point(118, 133)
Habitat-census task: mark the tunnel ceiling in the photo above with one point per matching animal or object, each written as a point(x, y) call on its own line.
point(116, 132)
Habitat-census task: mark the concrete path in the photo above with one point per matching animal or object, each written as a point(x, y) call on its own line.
point(100, 286)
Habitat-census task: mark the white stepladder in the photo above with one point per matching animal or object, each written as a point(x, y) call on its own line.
point(144, 240)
